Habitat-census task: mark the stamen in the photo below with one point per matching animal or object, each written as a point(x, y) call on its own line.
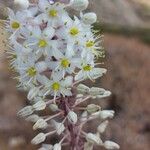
point(31, 72)
point(74, 31)
point(55, 86)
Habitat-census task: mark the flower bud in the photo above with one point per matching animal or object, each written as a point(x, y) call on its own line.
point(83, 89)
point(101, 128)
point(57, 147)
point(88, 146)
point(59, 127)
point(106, 114)
point(21, 4)
point(40, 105)
point(84, 116)
point(46, 147)
point(26, 111)
point(72, 117)
point(105, 94)
point(39, 139)
point(41, 66)
point(89, 18)
point(94, 91)
point(93, 138)
point(53, 107)
point(33, 118)
point(92, 108)
point(98, 72)
point(111, 145)
point(79, 5)
point(33, 93)
point(40, 124)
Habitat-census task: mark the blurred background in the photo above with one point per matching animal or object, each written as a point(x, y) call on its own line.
point(126, 28)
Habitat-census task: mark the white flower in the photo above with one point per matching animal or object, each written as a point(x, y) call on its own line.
point(73, 31)
point(52, 12)
point(21, 4)
point(39, 138)
point(17, 22)
point(89, 18)
point(72, 117)
point(79, 5)
point(88, 71)
point(111, 145)
point(56, 86)
point(66, 64)
point(41, 41)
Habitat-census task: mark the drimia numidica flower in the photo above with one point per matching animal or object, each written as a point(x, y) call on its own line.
point(53, 52)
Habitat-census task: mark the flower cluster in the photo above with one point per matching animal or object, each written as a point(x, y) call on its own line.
point(52, 52)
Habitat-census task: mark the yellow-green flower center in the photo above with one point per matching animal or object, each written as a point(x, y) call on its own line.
point(89, 44)
point(87, 68)
point(65, 63)
point(74, 31)
point(53, 13)
point(42, 43)
point(31, 72)
point(55, 86)
point(15, 25)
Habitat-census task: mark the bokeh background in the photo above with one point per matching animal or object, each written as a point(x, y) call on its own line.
point(126, 28)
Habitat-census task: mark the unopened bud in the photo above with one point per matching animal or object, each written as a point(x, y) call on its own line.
point(39, 139)
point(40, 124)
point(83, 89)
point(40, 105)
point(21, 4)
point(89, 18)
point(79, 5)
point(93, 138)
point(59, 127)
point(111, 145)
point(94, 91)
point(104, 114)
point(53, 107)
point(102, 127)
point(57, 147)
point(26, 111)
point(92, 108)
point(72, 117)
point(33, 118)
